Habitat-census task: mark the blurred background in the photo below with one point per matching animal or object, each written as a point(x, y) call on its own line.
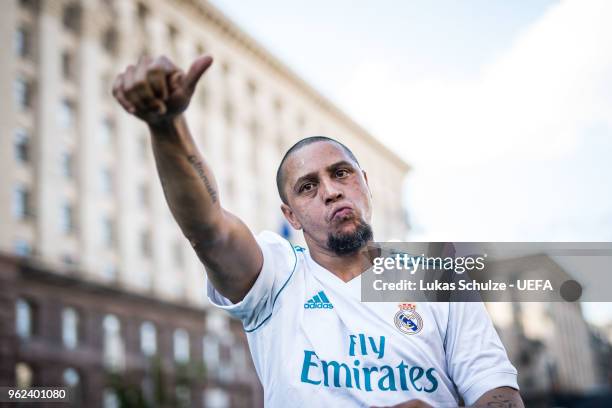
point(480, 122)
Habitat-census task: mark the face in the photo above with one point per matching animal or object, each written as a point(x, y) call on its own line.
point(328, 196)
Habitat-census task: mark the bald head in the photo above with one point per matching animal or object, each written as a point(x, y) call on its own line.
point(280, 173)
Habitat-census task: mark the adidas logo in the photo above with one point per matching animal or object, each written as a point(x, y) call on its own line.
point(318, 301)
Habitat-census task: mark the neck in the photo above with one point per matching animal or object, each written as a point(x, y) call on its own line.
point(346, 267)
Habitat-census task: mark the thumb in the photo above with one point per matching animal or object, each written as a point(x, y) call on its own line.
point(198, 67)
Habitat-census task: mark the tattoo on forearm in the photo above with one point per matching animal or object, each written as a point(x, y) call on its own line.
point(501, 401)
point(199, 168)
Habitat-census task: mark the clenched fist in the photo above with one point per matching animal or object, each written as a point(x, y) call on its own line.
point(156, 90)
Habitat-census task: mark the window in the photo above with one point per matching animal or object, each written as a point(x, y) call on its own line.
point(200, 49)
point(71, 378)
point(254, 130)
point(301, 122)
point(31, 5)
point(113, 343)
point(172, 33)
point(226, 69)
point(216, 398)
point(109, 271)
point(143, 13)
point(145, 279)
point(278, 106)
point(22, 42)
point(183, 396)
point(70, 328)
point(67, 224)
point(179, 258)
point(106, 83)
point(280, 143)
point(148, 339)
point(145, 243)
point(106, 181)
point(22, 247)
point(143, 147)
point(66, 114)
point(144, 52)
point(109, 5)
point(110, 40)
point(218, 323)
point(68, 259)
point(23, 94)
point(143, 194)
point(251, 89)
point(67, 163)
point(110, 399)
point(23, 375)
point(67, 65)
point(225, 371)
point(24, 318)
point(181, 345)
point(230, 186)
point(21, 203)
point(238, 358)
point(228, 113)
point(203, 96)
point(210, 350)
point(172, 37)
point(108, 232)
point(71, 18)
point(148, 390)
point(22, 145)
point(107, 129)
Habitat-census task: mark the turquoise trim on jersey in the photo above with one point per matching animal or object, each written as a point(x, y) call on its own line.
point(279, 292)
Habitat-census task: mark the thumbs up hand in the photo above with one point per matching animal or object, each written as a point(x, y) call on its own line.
point(156, 90)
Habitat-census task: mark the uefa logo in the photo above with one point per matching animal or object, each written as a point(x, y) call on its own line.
point(407, 320)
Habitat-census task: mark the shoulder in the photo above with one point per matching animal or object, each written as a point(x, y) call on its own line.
point(274, 245)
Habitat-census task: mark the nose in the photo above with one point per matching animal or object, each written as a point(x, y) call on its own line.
point(330, 191)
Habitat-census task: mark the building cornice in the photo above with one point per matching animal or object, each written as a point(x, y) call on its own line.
point(44, 272)
point(230, 29)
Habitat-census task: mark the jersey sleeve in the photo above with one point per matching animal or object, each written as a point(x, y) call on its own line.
point(475, 356)
point(279, 262)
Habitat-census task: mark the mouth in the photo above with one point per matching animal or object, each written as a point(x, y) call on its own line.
point(341, 213)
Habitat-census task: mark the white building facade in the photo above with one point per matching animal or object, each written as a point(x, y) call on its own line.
point(78, 184)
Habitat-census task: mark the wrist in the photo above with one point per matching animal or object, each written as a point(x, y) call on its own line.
point(171, 132)
point(165, 124)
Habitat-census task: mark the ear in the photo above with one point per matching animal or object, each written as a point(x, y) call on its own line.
point(290, 217)
point(365, 176)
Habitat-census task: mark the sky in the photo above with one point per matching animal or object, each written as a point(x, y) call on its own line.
point(503, 109)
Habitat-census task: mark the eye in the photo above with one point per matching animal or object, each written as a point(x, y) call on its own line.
point(341, 173)
point(306, 187)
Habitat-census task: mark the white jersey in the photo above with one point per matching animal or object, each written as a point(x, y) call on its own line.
point(315, 344)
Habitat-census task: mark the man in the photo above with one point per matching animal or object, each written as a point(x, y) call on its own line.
point(313, 342)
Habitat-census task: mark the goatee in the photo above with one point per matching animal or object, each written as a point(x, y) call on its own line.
point(349, 243)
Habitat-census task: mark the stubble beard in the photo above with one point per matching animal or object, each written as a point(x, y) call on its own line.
point(343, 244)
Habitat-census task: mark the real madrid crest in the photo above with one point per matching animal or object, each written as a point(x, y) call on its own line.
point(407, 320)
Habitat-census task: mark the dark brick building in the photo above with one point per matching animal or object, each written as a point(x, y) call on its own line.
point(114, 346)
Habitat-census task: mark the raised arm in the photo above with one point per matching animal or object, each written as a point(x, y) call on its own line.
point(158, 92)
